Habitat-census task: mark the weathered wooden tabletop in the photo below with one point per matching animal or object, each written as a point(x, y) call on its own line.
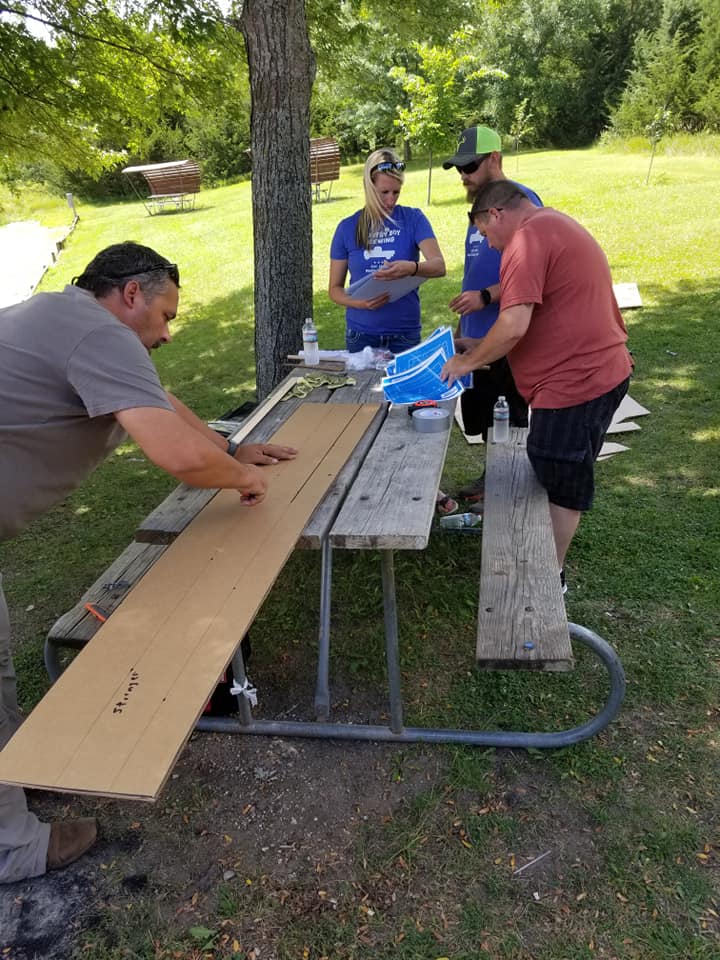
point(391, 503)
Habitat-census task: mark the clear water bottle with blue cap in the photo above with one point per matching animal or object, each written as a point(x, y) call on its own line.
point(501, 421)
point(460, 520)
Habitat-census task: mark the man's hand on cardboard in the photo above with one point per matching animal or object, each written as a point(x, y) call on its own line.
point(264, 454)
point(254, 485)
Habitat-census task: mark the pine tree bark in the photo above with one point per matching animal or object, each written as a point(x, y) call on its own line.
point(282, 71)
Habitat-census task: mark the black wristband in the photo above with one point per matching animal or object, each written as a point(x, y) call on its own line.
point(232, 448)
point(486, 297)
point(417, 267)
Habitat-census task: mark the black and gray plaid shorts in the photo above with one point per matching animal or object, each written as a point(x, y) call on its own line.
point(563, 445)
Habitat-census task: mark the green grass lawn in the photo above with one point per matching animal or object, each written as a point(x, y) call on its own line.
point(635, 812)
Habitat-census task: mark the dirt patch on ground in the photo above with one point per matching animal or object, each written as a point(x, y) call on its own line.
point(236, 808)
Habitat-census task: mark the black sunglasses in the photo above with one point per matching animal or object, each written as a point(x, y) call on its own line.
point(388, 165)
point(472, 217)
point(473, 165)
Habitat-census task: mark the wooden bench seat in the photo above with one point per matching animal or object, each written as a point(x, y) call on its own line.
point(521, 619)
point(324, 165)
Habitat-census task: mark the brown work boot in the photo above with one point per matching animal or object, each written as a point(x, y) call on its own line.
point(70, 839)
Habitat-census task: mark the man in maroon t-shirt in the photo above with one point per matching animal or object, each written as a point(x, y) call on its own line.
point(564, 337)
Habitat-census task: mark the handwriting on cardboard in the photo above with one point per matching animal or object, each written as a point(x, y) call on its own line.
point(133, 682)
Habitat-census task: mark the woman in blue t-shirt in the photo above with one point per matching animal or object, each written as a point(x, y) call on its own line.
point(384, 239)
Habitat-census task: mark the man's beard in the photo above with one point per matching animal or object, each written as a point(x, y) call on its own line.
point(471, 192)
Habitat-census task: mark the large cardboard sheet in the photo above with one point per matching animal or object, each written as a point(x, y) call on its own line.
point(116, 720)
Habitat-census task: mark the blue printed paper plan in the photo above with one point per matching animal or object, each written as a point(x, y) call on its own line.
point(415, 374)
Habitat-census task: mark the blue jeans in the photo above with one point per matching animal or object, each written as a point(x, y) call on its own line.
point(356, 340)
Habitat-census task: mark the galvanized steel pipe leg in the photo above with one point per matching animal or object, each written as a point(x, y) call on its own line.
point(322, 688)
point(391, 640)
point(245, 716)
point(478, 738)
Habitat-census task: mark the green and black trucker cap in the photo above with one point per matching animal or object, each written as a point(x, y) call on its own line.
point(475, 142)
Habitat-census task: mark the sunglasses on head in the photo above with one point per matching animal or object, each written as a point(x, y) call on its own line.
point(388, 165)
point(473, 165)
point(171, 269)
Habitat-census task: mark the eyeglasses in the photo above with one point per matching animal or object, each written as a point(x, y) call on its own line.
point(474, 165)
point(388, 165)
point(171, 269)
point(473, 215)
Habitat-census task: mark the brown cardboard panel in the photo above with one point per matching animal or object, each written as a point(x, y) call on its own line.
point(116, 720)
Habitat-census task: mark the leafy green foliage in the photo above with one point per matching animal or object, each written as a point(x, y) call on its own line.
point(445, 89)
point(659, 92)
point(84, 84)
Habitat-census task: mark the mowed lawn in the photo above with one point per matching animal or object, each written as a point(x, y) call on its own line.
point(631, 819)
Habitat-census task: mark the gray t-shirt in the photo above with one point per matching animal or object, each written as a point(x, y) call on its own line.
point(66, 365)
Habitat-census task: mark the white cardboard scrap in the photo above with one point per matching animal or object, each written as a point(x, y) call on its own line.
point(625, 427)
point(627, 295)
point(629, 408)
point(609, 449)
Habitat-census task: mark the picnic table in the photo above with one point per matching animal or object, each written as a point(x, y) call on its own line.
point(172, 185)
point(383, 499)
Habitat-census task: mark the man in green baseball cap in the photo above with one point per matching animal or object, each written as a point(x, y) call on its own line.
point(474, 144)
point(478, 160)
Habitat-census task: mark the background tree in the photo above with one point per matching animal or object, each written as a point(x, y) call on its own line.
point(706, 80)
point(522, 127)
point(444, 91)
point(78, 80)
point(660, 83)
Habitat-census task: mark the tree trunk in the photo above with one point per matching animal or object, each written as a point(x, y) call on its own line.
point(429, 176)
point(282, 70)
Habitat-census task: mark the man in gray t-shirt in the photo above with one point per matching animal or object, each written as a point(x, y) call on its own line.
point(75, 379)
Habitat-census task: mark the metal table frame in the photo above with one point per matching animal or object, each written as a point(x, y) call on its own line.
point(396, 731)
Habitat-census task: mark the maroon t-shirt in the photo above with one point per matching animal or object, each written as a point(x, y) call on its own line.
point(574, 348)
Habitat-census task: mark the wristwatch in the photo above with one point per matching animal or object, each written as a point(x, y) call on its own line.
point(486, 297)
point(232, 447)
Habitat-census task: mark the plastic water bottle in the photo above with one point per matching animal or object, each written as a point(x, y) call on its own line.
point(311, 350)
point(501, 421)
point(457, 521)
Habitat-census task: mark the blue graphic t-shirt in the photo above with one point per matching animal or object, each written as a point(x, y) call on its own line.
point(397, 239)
point(482, 269)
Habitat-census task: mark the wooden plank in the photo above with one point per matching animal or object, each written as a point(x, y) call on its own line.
point(107, 592)
point(261, 411)
point(392, 502)
point(117, 718)
point(367, 389)
point(521, 620)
